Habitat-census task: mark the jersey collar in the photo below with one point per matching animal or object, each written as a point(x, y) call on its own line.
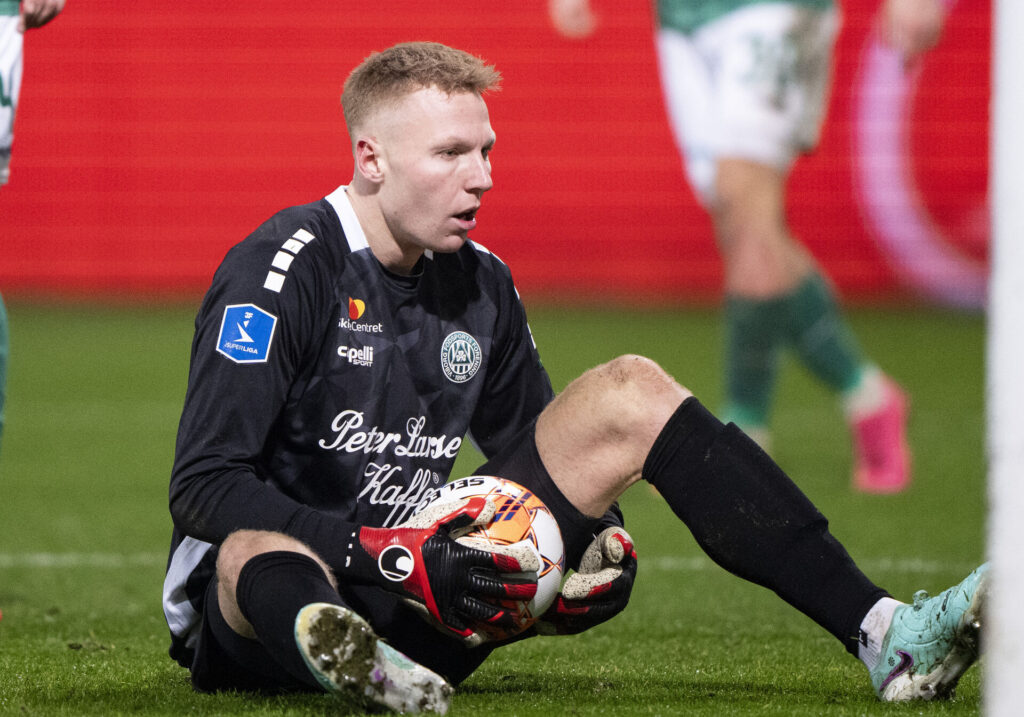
point(349, 222)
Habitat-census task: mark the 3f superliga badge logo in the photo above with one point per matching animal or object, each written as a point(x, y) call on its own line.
point(460, 357)
point(246, 333)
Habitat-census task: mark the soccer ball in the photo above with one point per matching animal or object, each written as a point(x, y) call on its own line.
point(520, 516)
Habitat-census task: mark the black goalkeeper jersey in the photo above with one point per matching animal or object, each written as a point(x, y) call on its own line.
point(323, 387)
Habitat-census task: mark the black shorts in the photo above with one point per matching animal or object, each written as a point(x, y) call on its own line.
point(225, 660)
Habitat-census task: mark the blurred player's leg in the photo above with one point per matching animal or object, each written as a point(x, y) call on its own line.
point(877, 413)
point(875, 407)
point(746, 95)
point(4, 353)
point(752, 352)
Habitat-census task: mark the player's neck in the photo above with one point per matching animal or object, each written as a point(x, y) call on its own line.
point(395, 257)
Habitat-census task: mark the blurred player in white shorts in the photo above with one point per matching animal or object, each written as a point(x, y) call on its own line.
point(10, 81)
point(746, 85)
point(752, 84)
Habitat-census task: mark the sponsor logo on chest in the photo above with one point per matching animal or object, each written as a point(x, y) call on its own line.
point(349, 438)
point(383, 481)
point(357, 356)
point(356, 310)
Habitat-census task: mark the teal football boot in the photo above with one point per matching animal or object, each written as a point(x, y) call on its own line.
point(931, 643)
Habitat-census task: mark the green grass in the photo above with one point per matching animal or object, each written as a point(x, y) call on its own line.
point(94, 396)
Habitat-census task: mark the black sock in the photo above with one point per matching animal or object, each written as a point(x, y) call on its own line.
point(752, 520)
point(272, 588)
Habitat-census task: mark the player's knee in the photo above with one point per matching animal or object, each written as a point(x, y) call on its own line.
point(638, 374)
point(242, 545)
point(637, 389)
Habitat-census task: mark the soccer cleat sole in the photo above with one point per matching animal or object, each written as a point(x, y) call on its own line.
point(344, 654)
point(941, 682)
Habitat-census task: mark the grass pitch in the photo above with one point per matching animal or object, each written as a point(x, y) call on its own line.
point(93, 401)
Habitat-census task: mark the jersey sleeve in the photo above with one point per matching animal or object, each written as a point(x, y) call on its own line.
point(253, 335)
point(517, 387)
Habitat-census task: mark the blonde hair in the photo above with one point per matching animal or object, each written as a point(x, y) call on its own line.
point(385, 77)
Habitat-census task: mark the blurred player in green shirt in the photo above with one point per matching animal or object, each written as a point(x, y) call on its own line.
point(15, 18)
point(746, 85)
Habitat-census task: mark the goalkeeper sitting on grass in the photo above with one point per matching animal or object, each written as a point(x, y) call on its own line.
point(341, 354)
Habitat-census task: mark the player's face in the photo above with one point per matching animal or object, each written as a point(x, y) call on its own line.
point(435, 149)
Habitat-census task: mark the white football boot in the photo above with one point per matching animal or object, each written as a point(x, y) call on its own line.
point(348, 659)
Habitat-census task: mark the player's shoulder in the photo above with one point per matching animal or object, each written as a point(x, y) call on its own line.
point(298, 239)
point(314, 225)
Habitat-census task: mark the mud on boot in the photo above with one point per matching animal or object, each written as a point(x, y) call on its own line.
point(348, 659)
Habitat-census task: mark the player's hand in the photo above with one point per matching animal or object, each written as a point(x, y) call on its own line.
point(36, 13)
point(599, 590)
point(913, 26)
point(572, 18)
point(453, 584)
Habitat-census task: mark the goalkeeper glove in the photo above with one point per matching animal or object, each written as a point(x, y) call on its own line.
point(598, 591)
point(448, 581)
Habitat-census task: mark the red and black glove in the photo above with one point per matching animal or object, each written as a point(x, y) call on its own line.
point(455, 585)
point(598, 591)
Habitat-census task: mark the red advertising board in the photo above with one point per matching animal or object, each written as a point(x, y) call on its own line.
point(152, 136)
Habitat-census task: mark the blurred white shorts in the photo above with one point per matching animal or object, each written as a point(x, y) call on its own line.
point(10, 85)
point(752, 84)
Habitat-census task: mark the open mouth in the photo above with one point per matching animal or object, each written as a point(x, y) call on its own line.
point(467, 216)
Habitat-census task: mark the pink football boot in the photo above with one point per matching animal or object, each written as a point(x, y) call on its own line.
point(880, 452)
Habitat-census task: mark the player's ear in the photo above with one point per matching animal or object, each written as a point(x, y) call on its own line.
point(369, 159)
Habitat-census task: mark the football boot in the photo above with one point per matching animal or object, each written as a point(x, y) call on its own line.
point(348, 659)
point(932, 642)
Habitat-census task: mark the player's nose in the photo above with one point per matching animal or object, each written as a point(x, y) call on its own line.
point(479, 175)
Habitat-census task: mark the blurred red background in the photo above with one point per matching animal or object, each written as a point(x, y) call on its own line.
point(152, 136)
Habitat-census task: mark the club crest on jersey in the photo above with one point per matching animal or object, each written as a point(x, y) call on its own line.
point(246, 332)
point(460, 357)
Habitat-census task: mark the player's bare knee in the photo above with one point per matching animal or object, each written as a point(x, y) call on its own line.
point(637, 387)
point(634, 399)
point(242, 545)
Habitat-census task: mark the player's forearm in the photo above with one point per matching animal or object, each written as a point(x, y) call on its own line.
point(213, 505)
point(210, 506)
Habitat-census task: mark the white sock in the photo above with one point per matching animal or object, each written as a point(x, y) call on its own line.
point(867, 396)
point(872, 631)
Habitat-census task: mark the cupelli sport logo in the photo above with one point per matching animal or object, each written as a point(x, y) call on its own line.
point(460, 357)
point(357, 356)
